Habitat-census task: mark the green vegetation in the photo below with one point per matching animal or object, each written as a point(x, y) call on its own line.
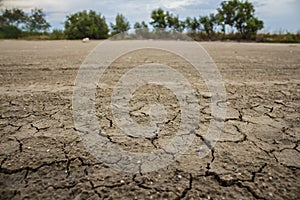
point(233, 20)
point(15, 23)
point(121, 25)
point(240, 16)
point(86, 24)
point(164, 20)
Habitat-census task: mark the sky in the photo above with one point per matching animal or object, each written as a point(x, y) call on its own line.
point(278, 15)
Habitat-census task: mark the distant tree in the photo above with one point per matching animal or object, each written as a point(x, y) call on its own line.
point(208, 24)
point(166, 20)
point(192, 24)
point(13, 17)
point(141, 25)
point(174, 23)
point(159, 19)
point(239, 15)
point(227, 12)
point(37, 22)
point(10, 32)
point(252, 26)
point(121, 25)
point(86, 24)
point(141, 29)
point(11, 21)
point(221, 22)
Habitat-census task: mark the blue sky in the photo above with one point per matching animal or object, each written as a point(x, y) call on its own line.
point(278, 15)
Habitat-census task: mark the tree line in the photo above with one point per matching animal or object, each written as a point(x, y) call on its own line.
point(13, 22)
point(233, 18)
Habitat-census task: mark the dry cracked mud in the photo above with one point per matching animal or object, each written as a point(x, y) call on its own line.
point(256, 157)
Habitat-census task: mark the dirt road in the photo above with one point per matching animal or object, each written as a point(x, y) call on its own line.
point(256, 157)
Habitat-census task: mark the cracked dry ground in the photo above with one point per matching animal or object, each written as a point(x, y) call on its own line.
point(257, 156)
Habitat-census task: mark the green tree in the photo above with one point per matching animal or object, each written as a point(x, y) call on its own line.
point(121, 25)
point(141, 25)
point(252, 26)
point(166, 20)
point(37, 21)
point(192, 24)
point(10, 23)
point(86, 24)
point(159, 19)
point(13, 17)
point(208, 24)
point(174, 23)
point(239, 15)
point(220, 21)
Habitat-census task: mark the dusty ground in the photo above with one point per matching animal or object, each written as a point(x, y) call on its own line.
point(257, 156)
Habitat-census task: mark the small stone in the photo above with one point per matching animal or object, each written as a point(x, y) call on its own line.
point(206, 95)
point(278, 101)
point(48, 150)
point(28, 147)
point(179, 176)
point(270, 194)
point(122, 181)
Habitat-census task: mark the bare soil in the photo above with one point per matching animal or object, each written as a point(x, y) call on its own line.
point(257, 156)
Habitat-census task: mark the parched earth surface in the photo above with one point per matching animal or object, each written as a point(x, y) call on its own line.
point(257, 155)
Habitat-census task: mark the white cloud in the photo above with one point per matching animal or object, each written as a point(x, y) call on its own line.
point(284, 14)
point(177, 3)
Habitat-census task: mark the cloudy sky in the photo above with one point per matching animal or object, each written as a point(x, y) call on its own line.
point(278, 15)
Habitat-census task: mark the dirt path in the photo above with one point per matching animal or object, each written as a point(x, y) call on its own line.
point(257, 156)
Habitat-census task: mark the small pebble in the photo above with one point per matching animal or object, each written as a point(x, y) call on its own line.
point(48, 150)
point(122, 181)
point(179, 176)
point(270, 194)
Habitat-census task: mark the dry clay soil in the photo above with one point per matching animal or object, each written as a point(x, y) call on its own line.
point(256, 157)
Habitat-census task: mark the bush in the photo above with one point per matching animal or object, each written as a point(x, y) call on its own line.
point(57, 35)
point(10, 32)
point(86, 24)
